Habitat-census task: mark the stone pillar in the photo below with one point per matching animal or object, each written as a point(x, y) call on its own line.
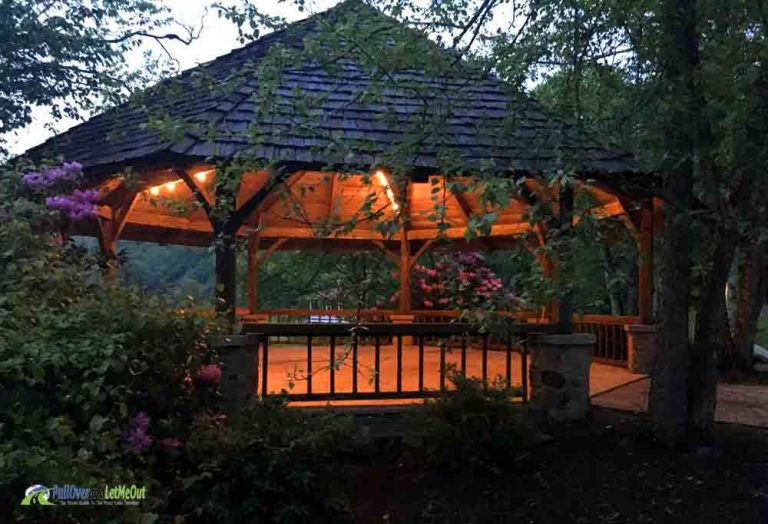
point(559, 374)
point(239, 368)
point(642, 340)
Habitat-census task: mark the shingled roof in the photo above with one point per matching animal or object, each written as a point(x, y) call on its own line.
point(346, 110)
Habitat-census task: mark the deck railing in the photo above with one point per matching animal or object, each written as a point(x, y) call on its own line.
point(610, 336)
point(329, 347)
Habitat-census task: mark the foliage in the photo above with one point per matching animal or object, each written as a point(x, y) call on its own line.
point(70, 55)
point(470, 426)
point(459, 281)
point(270, 463)
point(79, 358)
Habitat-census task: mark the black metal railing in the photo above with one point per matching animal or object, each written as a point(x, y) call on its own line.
point(328, 362)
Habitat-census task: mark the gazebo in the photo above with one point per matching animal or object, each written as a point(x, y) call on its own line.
point(321, 176)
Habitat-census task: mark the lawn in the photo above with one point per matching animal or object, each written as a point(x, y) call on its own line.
point(604, 471)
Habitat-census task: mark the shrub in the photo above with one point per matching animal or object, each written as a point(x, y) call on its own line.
point(269, 464)
point(79, 358)
point(468, 426)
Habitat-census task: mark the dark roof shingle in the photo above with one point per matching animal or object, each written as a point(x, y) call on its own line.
point(344, 113)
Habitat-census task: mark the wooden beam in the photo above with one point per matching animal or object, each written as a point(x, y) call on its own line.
point(423, 249)
point(405, 253)
point(383, 247)
point(206, 201)
point(271, 249)
point(497, 230)
point(278, 193)
point(111, 223)
point(645, 265)
point(333, 190)
point(277, 176)
point(252, 278)
point(141, 218)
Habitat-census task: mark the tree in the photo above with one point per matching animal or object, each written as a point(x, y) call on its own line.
point(70, 55)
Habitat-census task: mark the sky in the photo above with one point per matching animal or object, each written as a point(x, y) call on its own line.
point(217, 37)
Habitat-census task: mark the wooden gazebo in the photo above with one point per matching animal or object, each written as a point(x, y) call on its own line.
point(327, 163)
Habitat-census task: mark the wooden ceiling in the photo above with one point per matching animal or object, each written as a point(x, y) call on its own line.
point(331, 211)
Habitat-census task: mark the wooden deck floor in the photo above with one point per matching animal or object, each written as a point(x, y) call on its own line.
point(288, 370)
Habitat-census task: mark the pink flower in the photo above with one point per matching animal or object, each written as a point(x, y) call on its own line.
point(428, 303)
point(210, 374)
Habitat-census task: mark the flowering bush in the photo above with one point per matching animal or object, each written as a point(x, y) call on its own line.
point(209, 374)
point(91, 374)
point(458, 281)
point(59, 184)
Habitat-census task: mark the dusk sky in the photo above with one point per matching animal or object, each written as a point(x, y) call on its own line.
point(217, 37)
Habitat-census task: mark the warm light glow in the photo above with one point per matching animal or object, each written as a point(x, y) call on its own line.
point(202, 176)
point(168, 186)
point(381, 177)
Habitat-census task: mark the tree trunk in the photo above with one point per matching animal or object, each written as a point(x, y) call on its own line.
point(668, 401)
point(710, 338)
point(752, 287)
point(680, 61)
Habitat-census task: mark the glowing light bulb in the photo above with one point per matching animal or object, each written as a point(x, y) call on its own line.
point(381, 178)
point(154, 190)
point(171, 185)
point(202, 176)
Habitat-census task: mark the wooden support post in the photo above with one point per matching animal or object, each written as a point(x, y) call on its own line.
point(252, 277)
point(405, 253)
point(226, 270)
point(565, 218)
point(111, 224)
point(645, 265)
point(405, 272)
point(254, 263)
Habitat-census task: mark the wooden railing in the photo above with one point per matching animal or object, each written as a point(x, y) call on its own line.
point(610, 335)
point(329, 350)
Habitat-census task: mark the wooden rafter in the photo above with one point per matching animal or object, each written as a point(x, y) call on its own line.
point(206, 201)
point(333, 189)
point(277, 177)
point(423, 249)
point(268, 252)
